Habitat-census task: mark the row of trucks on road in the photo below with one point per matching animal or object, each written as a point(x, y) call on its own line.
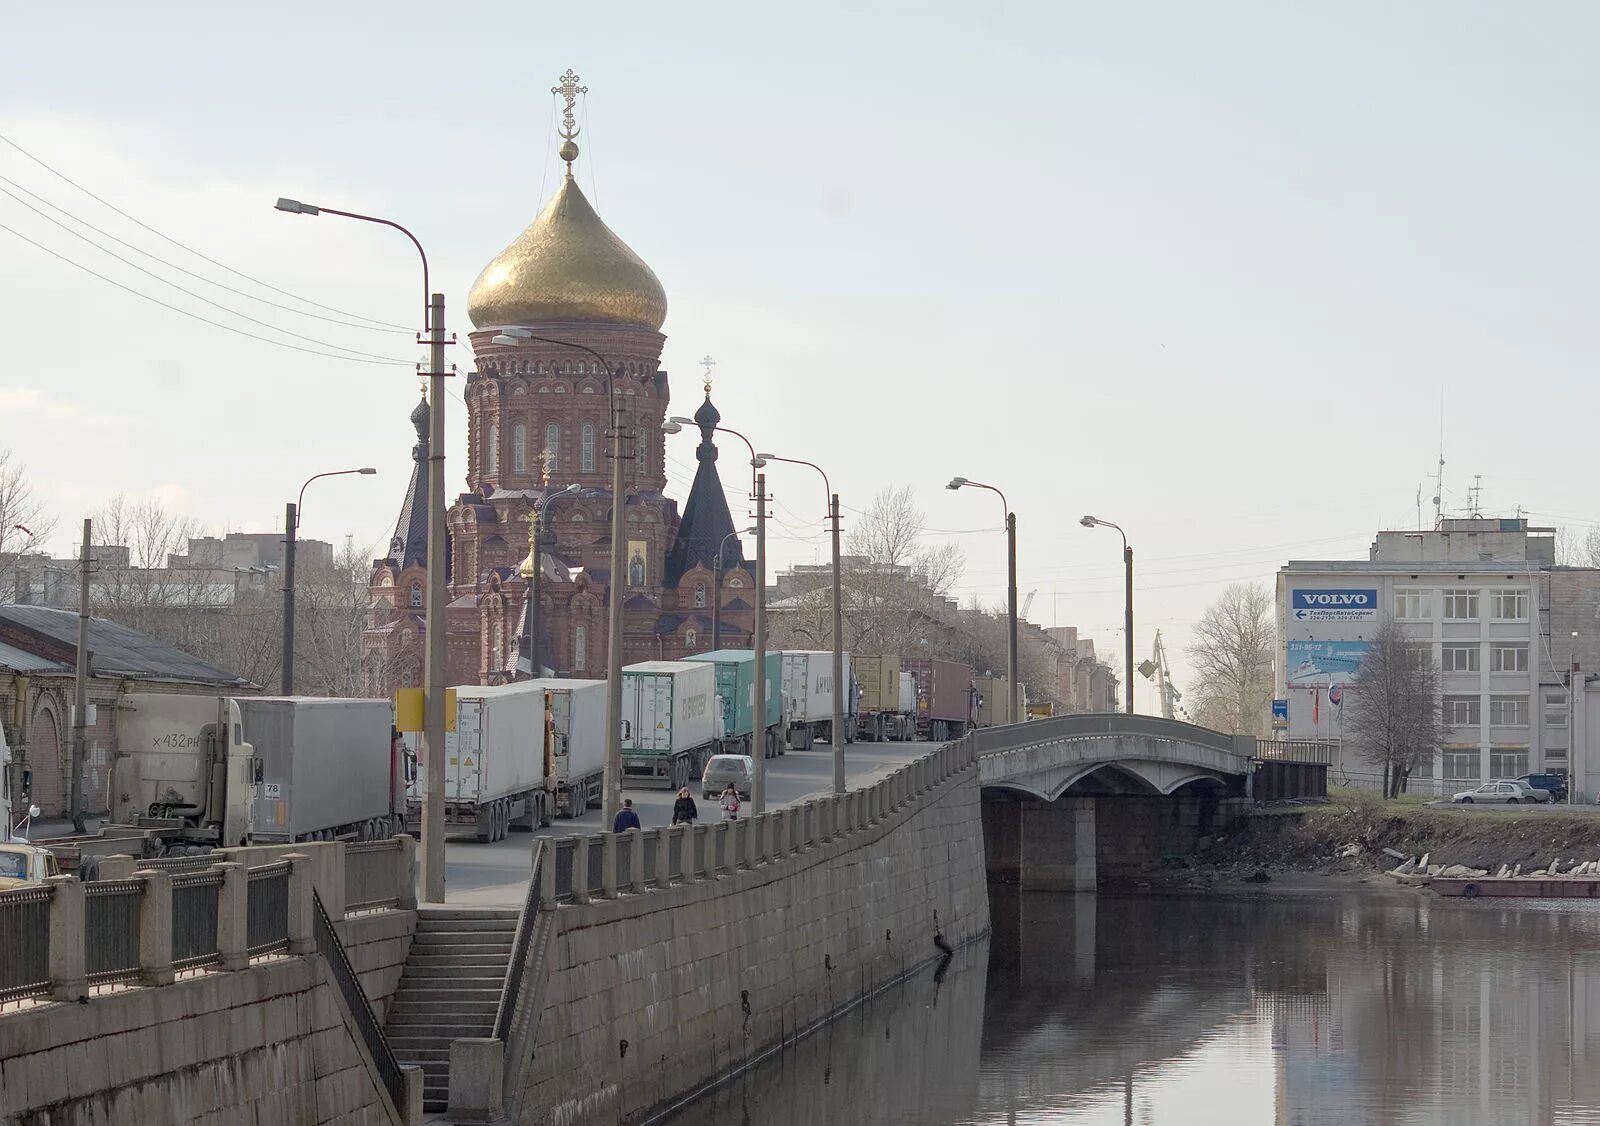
point(192, 772)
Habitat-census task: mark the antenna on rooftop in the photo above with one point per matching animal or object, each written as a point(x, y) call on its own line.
point(1438, 476)
point(1474, 495)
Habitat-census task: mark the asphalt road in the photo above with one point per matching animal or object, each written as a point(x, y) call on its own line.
point(494, 875)
point(1521, 807)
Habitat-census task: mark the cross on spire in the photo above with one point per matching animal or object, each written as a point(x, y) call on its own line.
point(569, 90)
point(708, 363)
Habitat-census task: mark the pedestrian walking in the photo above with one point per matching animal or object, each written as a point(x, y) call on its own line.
point(730, 803)
point(626, 818)
point(684, 811)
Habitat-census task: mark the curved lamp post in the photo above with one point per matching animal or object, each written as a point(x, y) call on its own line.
point(1014, 686)
point(291, 540)
point(1127, 620)
point(538, 528)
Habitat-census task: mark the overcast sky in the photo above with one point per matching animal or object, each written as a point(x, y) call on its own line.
point(1204, 270)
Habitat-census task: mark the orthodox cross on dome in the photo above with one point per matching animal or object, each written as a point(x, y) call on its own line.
point(708, 363)
point(569, 91)
point(547, 464)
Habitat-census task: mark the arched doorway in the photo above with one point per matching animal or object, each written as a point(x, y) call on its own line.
point(44, 759)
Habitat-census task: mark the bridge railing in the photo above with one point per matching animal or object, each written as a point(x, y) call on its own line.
point(993, 740)
point(65, 937)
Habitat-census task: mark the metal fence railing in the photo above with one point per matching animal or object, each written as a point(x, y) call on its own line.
point(111, 930)
point(355, 998)
point(372, 875)
point(267, 909)
point(25, 939)
point(597, 864)
point(194, 918)
point(562, 858)
point(511, 992)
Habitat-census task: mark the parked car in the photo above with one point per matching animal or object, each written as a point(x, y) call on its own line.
point(1554, 784)
point(722, 769)
point(1502, 790)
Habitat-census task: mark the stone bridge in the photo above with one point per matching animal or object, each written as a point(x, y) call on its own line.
point(1070, 798)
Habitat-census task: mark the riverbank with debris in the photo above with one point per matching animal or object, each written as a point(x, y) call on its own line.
point(1356, 838)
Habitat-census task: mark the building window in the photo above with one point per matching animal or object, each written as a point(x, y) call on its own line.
point(497, 645)
point(519, 448)
point(586, 449)
point(699, 595)
point(1555, 709)
point(691, 639)
point(1424, 766)
point(407, 678)
point(733, 581)
point(552, 444)
point(415, 597)
point(1461, 605)
point(492, 454)
point(1511, 605)
point(1458, 658)
point(580, 649)
point(1508, 711)
point(1508, 762)
point(1508, 658)
point(1460, 763)
point(1461, 711)
point(642, 455)
point(1412, 605)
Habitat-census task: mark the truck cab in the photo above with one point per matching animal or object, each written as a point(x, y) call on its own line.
point(24, 865)
point(184, 768)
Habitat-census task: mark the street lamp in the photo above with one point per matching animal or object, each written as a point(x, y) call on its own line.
point(1127, 620)
point(611, 799)
point(758, 482)
point(716, 598)
point(1014, 686)
point(433, 674)
point(530, 569)
point(291, 539)
point(836, 736)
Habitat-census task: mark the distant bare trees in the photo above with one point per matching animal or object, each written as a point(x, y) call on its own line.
point(25, 525)
point(1232, 658)
point(1393, 707)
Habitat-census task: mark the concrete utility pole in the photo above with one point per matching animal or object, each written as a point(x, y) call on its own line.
point(433, 718)
point(80, 688)
point(840, 686)
point(612, 800)
point(758, 788)
point(291, 521)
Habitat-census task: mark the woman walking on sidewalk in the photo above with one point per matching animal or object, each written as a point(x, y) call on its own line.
point(684, 811)
point(730, 803)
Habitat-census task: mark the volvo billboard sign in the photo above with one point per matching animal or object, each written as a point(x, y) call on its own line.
point(1334, 605)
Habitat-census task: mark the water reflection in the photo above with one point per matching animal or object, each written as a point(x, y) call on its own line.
point(1336, 1011)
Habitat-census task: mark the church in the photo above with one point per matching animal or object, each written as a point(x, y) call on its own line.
point(539, 450)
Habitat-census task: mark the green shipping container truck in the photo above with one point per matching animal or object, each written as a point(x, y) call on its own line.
point(736, 670)
point(994, 700)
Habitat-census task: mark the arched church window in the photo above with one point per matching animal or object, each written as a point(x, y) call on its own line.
point(498, 645)
point(552, 443)
point(643, 460)
point(734, 581)
point(588, 448)
point(519, 448)
point(407, 678)
point(492, 454)
point(580, 649)
point(582, 367)
point(566, 368)
point(415, 596)
point(699, 595)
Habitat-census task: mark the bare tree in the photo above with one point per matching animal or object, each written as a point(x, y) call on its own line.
point(1394, 706)
point(25, 524)
point(1232, 658)
point(1575, 550)
point(331, 612)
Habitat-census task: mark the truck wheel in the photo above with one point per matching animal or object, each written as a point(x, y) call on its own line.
point(577, 805)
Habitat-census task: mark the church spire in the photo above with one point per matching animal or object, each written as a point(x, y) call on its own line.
point(569, 90)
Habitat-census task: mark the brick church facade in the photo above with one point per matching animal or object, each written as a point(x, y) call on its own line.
point(537, 425)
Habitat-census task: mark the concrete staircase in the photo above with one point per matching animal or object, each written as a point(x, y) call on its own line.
point(450, 989)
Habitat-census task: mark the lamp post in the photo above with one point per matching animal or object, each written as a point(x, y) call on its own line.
point(1127, 619)
point(530, 569)
point(1013, 685)
point(433, 616)
point(291, 539)
point(840, 687)
point(758, 484)
point(716, 595)
point(611, 800)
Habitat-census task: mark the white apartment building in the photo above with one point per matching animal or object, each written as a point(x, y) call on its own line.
point(1477, 593)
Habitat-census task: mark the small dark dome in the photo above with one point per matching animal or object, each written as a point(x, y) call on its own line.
point(419, 419)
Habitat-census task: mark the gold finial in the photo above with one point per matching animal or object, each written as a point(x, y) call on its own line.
point(708, 363)
point(547, 462)
point(569, 90)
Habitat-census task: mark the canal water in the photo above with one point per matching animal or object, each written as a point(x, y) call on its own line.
point(1343, 1009)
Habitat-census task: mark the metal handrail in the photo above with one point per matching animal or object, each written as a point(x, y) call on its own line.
point(511, 991)
point(993, 740)
point(355, 998)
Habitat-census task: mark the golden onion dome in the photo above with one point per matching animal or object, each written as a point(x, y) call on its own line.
point(567, 266)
